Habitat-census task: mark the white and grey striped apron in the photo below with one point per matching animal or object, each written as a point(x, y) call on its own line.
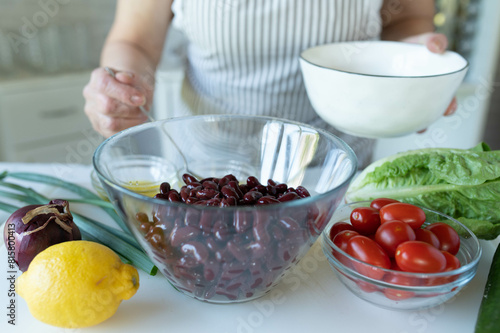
point(243, 54)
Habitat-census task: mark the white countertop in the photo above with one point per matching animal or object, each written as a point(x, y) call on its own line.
point(309, 299)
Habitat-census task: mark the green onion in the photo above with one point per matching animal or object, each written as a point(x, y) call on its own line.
point(77, 189)
point(120, 242)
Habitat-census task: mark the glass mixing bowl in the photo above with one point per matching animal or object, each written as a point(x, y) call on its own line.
point(225, 254)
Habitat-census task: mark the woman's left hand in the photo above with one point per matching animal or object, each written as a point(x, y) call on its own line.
point(437, 43)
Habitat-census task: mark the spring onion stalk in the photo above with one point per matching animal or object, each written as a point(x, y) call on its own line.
point(77, 189)
point(19, 197)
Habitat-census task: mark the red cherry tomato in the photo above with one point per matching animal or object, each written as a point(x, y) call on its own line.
point(452, 263)
point(365, 220)
point(368, 251)
point(448, 237)
point(381, 202)
point(399, 279)
point(392, 233)
point(404, 212)
point(427, 236)
point(343, 237)
point(367, 287)
point(419, 257)
point(338, 227)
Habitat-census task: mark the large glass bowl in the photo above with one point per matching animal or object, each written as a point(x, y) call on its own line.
point(398, 290)
point(227, 254)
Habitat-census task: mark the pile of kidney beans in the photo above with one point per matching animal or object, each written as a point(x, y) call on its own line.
point(236, 254)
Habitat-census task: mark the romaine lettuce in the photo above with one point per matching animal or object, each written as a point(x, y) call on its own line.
point(463, 183)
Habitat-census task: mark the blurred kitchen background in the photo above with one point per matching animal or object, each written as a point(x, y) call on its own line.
point(49, 47)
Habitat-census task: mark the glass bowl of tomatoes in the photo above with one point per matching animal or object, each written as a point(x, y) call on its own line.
point(400, 256)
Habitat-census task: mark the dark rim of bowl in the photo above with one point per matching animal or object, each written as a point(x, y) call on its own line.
point(379, 75)
point(292, 203)
point(460, 270)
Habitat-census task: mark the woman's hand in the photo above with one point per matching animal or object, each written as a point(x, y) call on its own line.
point(437, 43)
point(112, 103)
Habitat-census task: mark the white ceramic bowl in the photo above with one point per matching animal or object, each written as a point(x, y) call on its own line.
point(380, 89)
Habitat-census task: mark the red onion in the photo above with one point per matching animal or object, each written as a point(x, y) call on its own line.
point(32, 229)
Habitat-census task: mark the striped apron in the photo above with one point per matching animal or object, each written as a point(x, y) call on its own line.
point(243, 54)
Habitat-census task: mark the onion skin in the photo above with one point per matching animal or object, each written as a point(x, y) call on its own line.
point(26, 245)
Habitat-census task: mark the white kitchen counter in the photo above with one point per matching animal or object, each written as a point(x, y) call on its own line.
point(309, 299)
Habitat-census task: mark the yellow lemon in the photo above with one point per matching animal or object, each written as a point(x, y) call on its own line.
point(76, 284)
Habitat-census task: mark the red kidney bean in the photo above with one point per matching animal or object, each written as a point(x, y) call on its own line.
point(234, 184)
point(195, 250)
point(237, 251)
point(232, 270)
point(302, 192)
point(221, 231)
point(183, 234)
point(236, 283)
point(229, 191)
point(206, 221)
point(214, 202)
point(251, 197)
point(289, 223)
point(257, 249)
point(187, 178)
point(281, 188)
point(173, 196)
point(230, 201)
point(186, 263)
point(260, 232)
point(253, 181)
point(192, 217)
point(267, 200)
point(192, 200)
point(210, 184)
point(184, 192)
point(242, 221)
point(211, 270)
point(271, 190)
point(206, 193)
point(277, 233)
point(161, 196)
point(289, 196)
point(164, 188)
point(223, 256)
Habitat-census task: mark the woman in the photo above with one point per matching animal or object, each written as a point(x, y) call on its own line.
point(243, 54)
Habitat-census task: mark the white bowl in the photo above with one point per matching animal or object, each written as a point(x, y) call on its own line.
point(380, 89)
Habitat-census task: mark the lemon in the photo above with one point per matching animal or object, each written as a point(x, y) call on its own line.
point(76, 284)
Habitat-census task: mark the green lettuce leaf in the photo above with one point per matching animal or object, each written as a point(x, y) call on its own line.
point(463, 183)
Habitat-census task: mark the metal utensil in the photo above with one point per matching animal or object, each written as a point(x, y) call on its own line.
point(151, 119)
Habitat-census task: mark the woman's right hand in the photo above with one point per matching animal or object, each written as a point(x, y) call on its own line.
point(112, 103)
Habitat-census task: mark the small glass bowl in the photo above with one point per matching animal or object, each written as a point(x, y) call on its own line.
point(425, 290)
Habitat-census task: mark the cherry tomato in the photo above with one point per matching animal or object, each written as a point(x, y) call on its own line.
point(343, 237)
point(368, 251)
point(404, 212)
point(367, 287)
point(365, 220)
point(427, 236)
point(381, 202)
point(448, 237)
point(338, 227)
point(392, 233)
point(399, 279)
point(419, 257)
point(452, 263)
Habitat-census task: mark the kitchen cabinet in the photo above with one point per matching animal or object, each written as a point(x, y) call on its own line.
point(42, 120)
